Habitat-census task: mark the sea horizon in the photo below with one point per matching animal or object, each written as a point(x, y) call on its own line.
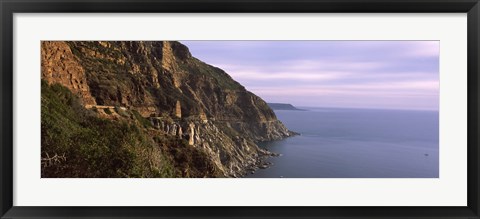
point(354, 143)
point(359, 108)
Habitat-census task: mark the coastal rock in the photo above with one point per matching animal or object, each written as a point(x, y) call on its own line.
point(191, 130)
point(175, 93)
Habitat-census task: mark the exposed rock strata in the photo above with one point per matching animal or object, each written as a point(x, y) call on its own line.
point(179, 94)
point(59, 65)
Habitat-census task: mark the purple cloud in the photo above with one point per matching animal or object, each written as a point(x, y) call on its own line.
point(364, 74)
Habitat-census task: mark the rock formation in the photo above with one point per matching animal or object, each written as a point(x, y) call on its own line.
point(59, 65)
point(174, 92)
point(178, 110)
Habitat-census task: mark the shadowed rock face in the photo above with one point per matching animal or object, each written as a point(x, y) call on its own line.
point(163, 82)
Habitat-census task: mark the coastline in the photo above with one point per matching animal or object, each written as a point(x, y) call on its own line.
point(261, 161)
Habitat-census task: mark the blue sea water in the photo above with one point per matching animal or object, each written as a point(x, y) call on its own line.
point(355, 143)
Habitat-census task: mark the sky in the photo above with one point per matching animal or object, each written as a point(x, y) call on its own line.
point(347, 74)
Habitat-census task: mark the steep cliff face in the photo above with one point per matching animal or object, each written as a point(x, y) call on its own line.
point(59, 65)
point(177, 93)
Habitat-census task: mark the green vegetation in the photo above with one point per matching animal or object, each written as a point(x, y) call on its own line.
point(77, 143)
point(188, 161)
point(146, 76)
point(94, 147)
point(145, 123)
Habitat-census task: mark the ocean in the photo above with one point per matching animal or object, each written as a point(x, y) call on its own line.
point(355, 143)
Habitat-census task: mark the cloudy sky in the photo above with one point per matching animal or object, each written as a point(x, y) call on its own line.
point(352, 74)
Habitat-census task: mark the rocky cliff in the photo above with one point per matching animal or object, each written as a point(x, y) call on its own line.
point(59, 65)
point(176, 94)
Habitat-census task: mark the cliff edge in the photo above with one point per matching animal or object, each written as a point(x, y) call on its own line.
point(162, 88)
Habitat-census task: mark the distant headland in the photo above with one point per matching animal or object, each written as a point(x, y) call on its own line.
point(283, 106)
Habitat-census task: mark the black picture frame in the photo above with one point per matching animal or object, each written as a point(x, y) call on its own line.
point(9, 7)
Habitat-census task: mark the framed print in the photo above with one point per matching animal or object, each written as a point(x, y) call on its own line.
point(266, 109)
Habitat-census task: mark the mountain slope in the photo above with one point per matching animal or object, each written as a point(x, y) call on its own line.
point(171, 93)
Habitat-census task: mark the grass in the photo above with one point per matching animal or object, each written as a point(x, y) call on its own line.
point(145, 122)
point(94, 147)
point(100, 148)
